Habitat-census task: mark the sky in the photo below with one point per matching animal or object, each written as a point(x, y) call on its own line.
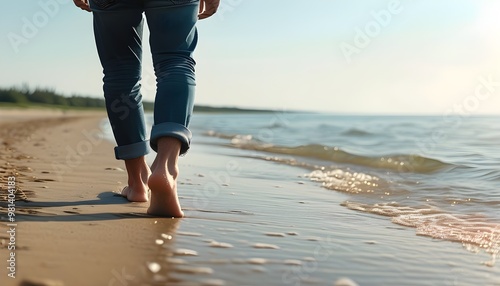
point(348, 57)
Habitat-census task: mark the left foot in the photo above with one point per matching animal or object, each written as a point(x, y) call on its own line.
point(133, 195)
point(138, 174)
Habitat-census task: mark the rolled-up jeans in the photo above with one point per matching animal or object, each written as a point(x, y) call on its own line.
point(118, 27)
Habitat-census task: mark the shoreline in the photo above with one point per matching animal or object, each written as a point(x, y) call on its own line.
point(248, 222)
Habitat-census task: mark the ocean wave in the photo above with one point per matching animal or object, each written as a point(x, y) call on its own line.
point(356, 132)
point(474, 231)
point(406, 163)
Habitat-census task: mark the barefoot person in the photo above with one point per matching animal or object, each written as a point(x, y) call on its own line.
point(118, 26)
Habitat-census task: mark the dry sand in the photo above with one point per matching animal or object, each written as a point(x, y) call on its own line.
point(73, 230)
point(248, 222)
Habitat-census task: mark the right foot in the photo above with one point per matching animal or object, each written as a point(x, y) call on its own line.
point(164, 200)
point(163, 181)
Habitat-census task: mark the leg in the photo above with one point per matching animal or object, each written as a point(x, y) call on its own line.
point(118, 35)
point(173, 40)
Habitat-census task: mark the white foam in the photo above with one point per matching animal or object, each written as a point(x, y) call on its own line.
point(475, 232)
point(340, 180)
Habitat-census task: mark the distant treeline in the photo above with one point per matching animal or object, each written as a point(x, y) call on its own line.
point(24, 96)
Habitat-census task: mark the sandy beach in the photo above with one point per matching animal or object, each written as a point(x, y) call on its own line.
point(248, 221)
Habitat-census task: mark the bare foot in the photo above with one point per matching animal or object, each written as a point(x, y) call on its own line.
point(163, 181)
point(138, 174)
point(134, 196)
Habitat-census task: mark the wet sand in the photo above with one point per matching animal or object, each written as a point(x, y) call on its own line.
point(248, 222)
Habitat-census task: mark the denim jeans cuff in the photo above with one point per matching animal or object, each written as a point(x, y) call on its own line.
point(171, 129)
point(132, 151)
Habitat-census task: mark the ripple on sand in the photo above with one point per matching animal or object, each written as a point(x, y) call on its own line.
point(257, 261)
point(213, 282)
point(345, 282)
point(184, 233)
point(220, 244)
point(185, 252)
point(265, 246)
point(194, 270)
point(173, 260)
point(275, 234)
point(309, 259)
point(259, 269)
point(293, 262)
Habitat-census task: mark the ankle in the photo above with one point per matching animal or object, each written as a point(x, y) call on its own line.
point(166, 161)
point(173, 170)
point(137, 171)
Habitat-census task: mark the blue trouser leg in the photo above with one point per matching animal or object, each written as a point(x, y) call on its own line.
point(118, 31)
point(173, 39)
point(118, 35)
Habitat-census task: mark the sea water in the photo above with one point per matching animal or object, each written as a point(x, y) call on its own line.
point(440, 175)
